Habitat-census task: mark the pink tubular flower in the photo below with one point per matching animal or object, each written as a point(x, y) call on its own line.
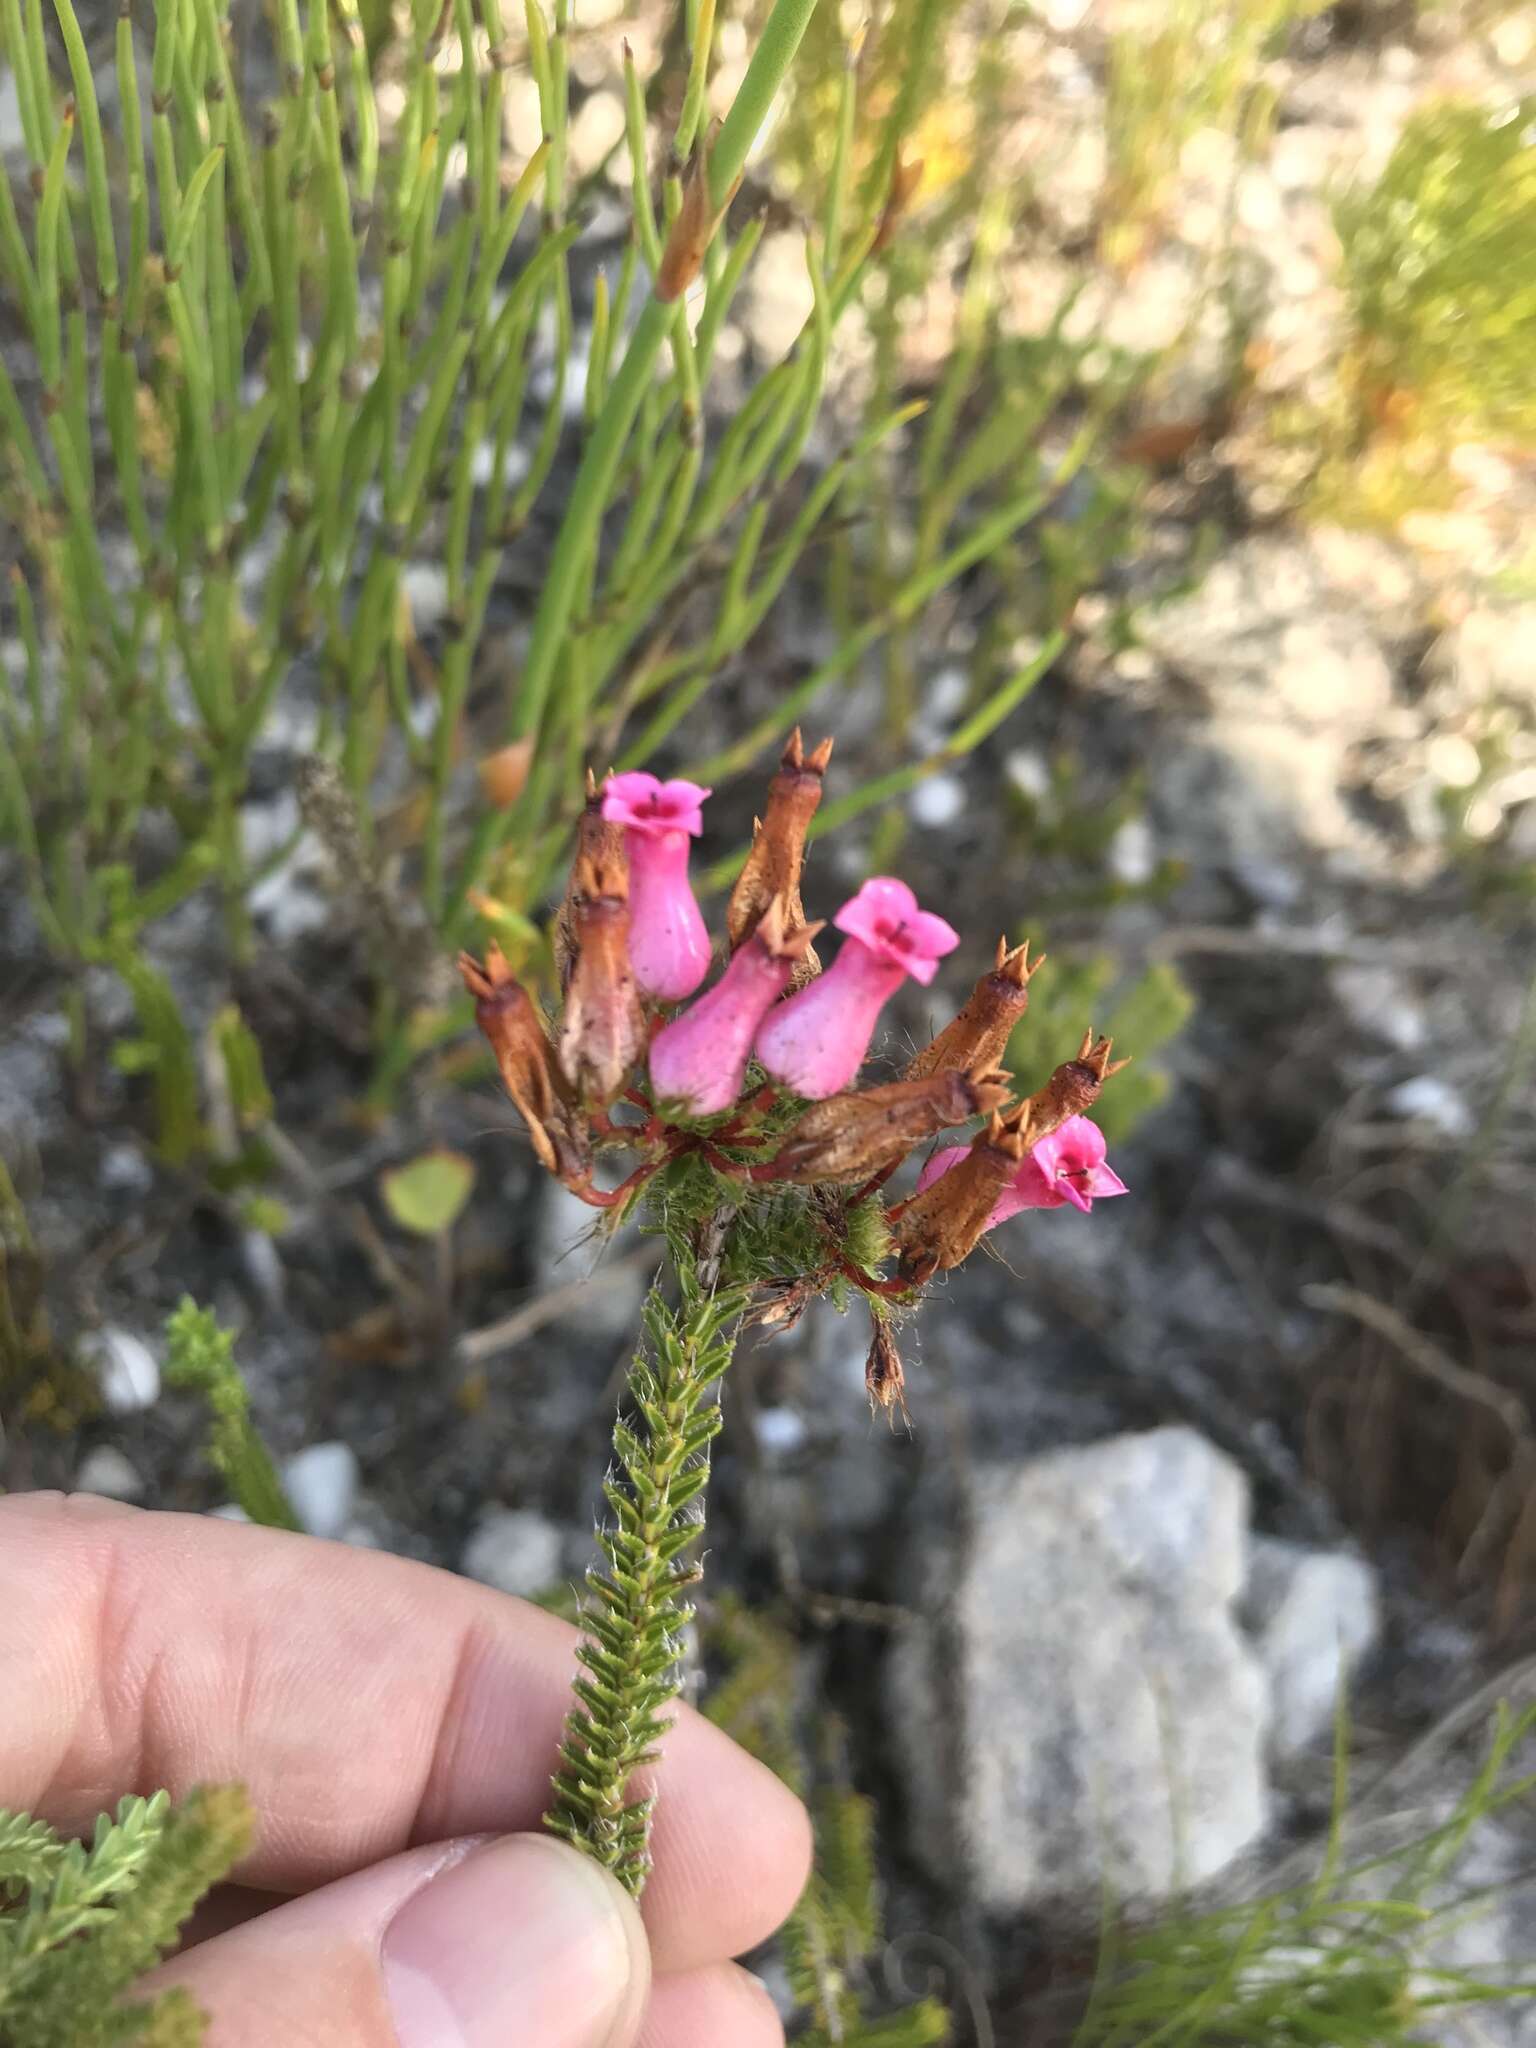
point(699, 1060)
point(815, 1043)
point(1068, 1166)
point(668, 944)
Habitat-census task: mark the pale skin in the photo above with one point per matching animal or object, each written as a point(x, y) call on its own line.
point(376, 1710)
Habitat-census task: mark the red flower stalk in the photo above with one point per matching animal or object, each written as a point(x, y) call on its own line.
point(850, 1137)
point(699, 1060)
point(505, 1013)
point(979, 1036)
point(773, 865)
point(602, 1033)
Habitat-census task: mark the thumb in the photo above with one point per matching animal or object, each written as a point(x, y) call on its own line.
point(464, 1945)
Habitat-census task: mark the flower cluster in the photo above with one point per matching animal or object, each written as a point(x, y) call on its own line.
point(756, 1078)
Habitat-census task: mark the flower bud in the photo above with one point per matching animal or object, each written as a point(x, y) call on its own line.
point(773, 865)
point(851, 1137)
point(505, 1013)
point(596, 841)
point(1074, 1087)
point(699, 1060)
point(943, 1223)
point(668, 943)
point(602, 1032)
point(979, 1036)
point(815, 1042)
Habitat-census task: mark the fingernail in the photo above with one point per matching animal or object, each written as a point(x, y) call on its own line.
point(523, 1940)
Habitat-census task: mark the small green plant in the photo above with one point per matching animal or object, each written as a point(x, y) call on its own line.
point(1356, 1957)
point(836, 1932)
point(1439, 265)
point(81, 1923)
point(201, 1360)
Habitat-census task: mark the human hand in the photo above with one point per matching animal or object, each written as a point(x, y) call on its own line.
point(395, 1729)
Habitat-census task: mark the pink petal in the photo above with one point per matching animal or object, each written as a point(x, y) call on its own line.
point(645, 804)
point(940, 1163)
point(885, 917)
point(1106, 1182)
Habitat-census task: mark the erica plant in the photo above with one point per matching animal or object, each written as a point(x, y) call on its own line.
point(757, 1155)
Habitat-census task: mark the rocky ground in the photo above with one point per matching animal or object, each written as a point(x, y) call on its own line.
point(1169, 1464)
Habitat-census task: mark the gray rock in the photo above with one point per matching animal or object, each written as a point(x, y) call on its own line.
point(105, 1470)
point(515, 1550)
point(126, 1370)
point(1312, 1615)
point(321, 1482)
point(1080, 1696)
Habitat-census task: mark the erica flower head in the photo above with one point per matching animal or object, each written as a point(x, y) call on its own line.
point(668, 942)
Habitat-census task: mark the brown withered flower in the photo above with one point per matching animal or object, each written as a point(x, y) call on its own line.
point(883, 1377)
point(1074, 1087)
point(505, 1013)
point(773, 865)
point(602, 1030)
point(979, 1036)
point(596, 840)
point(941, 1226)
point(849, 1137)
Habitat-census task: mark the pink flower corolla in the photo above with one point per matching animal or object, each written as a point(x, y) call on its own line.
point(815, 1043)
point(668, 944)
point(1068, 1166)
point(699, 1060)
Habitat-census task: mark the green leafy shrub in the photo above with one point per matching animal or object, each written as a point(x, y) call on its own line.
point(80, 1924)
point(1439, 264)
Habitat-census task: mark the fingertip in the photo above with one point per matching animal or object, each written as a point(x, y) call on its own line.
point(709, 2008)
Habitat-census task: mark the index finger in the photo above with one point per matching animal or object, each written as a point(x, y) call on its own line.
point(366, 1702)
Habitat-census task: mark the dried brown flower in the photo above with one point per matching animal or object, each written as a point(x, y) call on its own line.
point(505, 1013)
point(602, 1033)
point(883, 1376)
point(979, 1036)
point(849, 1137)
point(773, 864)
point(942, 1225)
point(596, 841)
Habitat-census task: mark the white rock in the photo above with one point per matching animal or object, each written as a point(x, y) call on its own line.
point(1131, 853)
point(1379, 1000)
point(105, 1470)
point(1313, 1615)
point(515, 1550)
point(126, 1370)
point(938, 801)
point(1029, 772)
point(229, 1511)
point(781, 1431)
point(125, 1171)
point(321, 1483)
point(1427, 1099)
point(1080, 1709)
